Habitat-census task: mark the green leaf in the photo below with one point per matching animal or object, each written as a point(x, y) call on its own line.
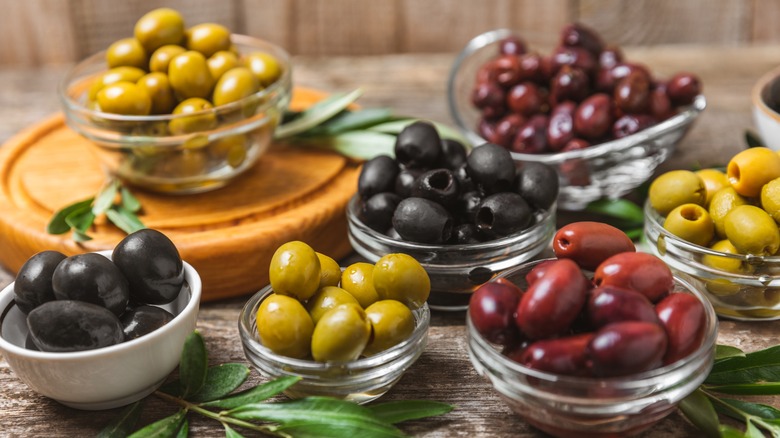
point(352, 120)
point(730, 432)
point(755, 409)
point(617, 208)
point(122, 425)
point(317, 113)
point(764, 388)
point(445, 131)
point(105, 198)
point(124, 219)
point(79, 236)
point(335, 431)
point(759, 366)
point(255, 395)
point(80, 219)
point(404, 410)
point(753, 140)
point(698, 409)
point(57, 224)
point(167, 427)
point(635, 233)
point(184, 430)
point(130, 202)
point(221, 380)
point(361, 145)
point(723, 352)
point(192, 368)
point(230, 432)
point(349, 418)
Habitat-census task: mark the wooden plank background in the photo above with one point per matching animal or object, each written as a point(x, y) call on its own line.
point(39, 32)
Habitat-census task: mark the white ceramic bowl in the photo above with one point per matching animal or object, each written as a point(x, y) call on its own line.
point(765, 96)
point(107, 377)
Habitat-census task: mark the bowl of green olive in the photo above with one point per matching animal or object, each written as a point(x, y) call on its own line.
point(349, 333)
point(178, 109)
point(718, 228)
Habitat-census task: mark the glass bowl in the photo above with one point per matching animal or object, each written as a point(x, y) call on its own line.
point(140, 150)
point(766, 98)
point(455, 270)
point(753, 294)
point(361, 381)
point(606, 170)
point(107, 377)
point(568, 406)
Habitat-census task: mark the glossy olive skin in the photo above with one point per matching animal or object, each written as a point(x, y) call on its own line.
point(632, 93)
point(593, 118)
point(676, 188)
point(295, 270)
point(223, 61)
point(551, 304)
point(512, 45)
point(468, 205)
point(506, 129)
point(400, 277)
point(637, 271)
point(358, 280)
point(465, 234)
point(377, 211)
point(284, 326)
point(682, 88)
point(572, 56)
point(264, 66)
point(491, 168)
point(566, 356)
point(124, 98)
point(152, 266)
point(195, 122)
point(685, 321)
point(629, 347)
point(492, 310)
point(377, 175)
point(579, 35)
point(143, 320)
point(157, 86)
point(503, 214)
point(190, 76)
point(330, 271)
point(721, 204)
point(692, 223)
point(532, 136)
point(590, 243)
point(422, 220)
point(752, 230)
point(158, 28)
point(506, 70)
point(631, 124)
point(161, 58)
point(538, 184)
point(391, 323)
point(750, 169)
point(234, 85)
point(610, 57)
point(328, 298)
point(69, 325)
point(126, 52)
point(91, 278)
point(404, 181)
point(438, 185)
point(453, 154)
point(537, 271)
point(418, 145)
point(341, 334)
point(608, 304)
point(569, 84)
point(525, 99)
point(560, 130)
point(33, 284)
point(208, 38)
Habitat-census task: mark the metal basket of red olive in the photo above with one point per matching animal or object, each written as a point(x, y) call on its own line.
point(603, 340)
point(603, 122)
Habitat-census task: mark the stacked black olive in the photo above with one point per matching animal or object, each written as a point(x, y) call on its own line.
point(87, 301)
point(434, 193)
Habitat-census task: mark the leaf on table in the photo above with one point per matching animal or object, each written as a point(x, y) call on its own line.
point(256, 394)
point(79, 236)
point(751, 431)
point(230, 432)
point(763, 388)
point(730, 432)
point(192, 368)
point(698, 409)
point(759, 366)
point(129, 201)
point(168, 426)
point(753, 140)
point(336, 431)
point(316, 114)
point(398, 411)
point(221, 380)
point(105, 198)
point(361, 145)
point(352, 120)
point(122, 425)
point(184, 430)
point(57, 224)
point(80, 219)
point(617, 208)
point(723, 352)
point(757, 409)
point(124, 219)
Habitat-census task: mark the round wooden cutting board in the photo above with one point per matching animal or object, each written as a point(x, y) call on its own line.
point(228, 234)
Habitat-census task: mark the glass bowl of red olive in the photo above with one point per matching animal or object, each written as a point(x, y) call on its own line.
point(465, 216)
point(89, 345)
point(603, 122)
point(601, 358)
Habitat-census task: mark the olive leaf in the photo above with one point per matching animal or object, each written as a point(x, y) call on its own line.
point(130, 202)
point(698, 409)
point(400, 411)
point(351, 120)
point(724, 352)
point(730, 432)
point(221, 380)
point(362, 145)
point(193, 365)
point(57, 224)
point(230, 432)
point(122, 425)
point(168, 426)
point(617, 208)
point(759, 366)
point(105, 198)
point(124, 219)
point(256, 394)
point(184, 430)
point(316, 114)
point(762, 388)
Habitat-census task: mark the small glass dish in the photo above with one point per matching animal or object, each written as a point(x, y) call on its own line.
point(142, 151)
point(455, 270)
point(753, 294)
point(567, 406)
point(606, 170)
point(361, 381)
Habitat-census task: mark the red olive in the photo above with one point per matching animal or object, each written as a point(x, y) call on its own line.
point(512, 45)
point(507, 128)
point(685, 322)
point(607, 78)
point(632, 93)
point(590, 243)
point(537, 272)
point(624, 348)
point(532, 137)
point(570, 83)
point(593, 117)
point(567, 356)
point(531, 68)
point(610, 57)
point(487, 94)
point(525, 99)
point(631, 124)
point(576, 170)
point(682, 88)
point(639, 271)
point(561, 127)
point(660, 105)
point(507, 70)
point(575, 57)
point(486, 73)
point(578, 35)
point(492, 310)
point(552, 303)
point(608, 304)
point(487, 129)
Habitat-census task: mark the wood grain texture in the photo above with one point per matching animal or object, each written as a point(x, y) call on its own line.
point(271, 20)
point(765, 18)
point(36, 32)
point(540, 23)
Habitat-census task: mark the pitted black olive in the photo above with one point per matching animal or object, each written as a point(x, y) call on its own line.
point(465, 234)
point(537, 183)
point(143, 320)
point(33, 283)
point(91, 278)
point(422, 220)
point(68, 325)
point(491, 168)
point(503, 214)
point(377, 176)
point(418, 146)
point(405, 180)
point(377, 211)
point(464, 180)
point(152, 265)
point(453, 154)
point(467, 206)
point(438, 185)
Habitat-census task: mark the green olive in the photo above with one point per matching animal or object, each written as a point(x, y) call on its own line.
point(358, 280)
point(341, 334)
point(221, 62)
point(295, 270)
point(190, 76)
point(186, 163)
point(161, 57)
point(159, 90)
point(400, 277)
point(330, 272)
point(116, 74)
point(723, 201)
point(327, 298)
point(770, 198)
point(265, 66)
point(750, 169)
point(723, 263)
point(234, 85)
point(676, 188)
point(158, 28)
point(284, 326)
point(208, 38)
point(124, 98)
point(692, 223)
point(752, 230)
point(197, 121)
point(713, 180)
point(231, 149)
point(391, 322)
point(126, 52)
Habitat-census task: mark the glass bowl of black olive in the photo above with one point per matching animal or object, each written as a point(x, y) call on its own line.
point(603, 122)
point(464, 216)
point(100, 330)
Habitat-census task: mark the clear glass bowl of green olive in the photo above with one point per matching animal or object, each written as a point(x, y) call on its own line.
point(190, 144)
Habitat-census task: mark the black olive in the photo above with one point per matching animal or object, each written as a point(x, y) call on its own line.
point(464, 180)
point(91, 278)
point(143, 320)
point(503, 214)
point(68, 325)
point(152, 265)
point(491, 168)
point(537, 183)
point(418, 146)
point(377, 211)
point(465, 234)
point(453, 154)
point(438, 185)
point(377, 175)
point(422, 220)
point(467, 206)
point(33, 283)
point(405, 180)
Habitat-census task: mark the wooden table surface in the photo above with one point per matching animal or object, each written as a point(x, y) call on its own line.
point(411, 85)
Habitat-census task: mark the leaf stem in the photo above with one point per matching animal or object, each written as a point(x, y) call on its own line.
point(746, 416)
